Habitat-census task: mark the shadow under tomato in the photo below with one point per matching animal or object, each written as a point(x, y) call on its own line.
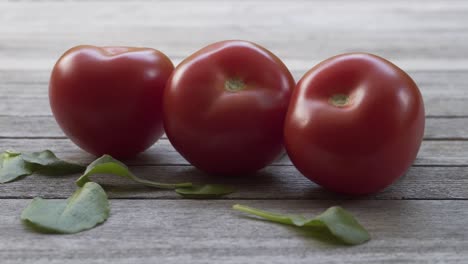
point(197, 175)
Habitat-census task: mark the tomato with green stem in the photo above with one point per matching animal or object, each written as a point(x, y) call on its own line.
point(224, 107)
point(355, 123)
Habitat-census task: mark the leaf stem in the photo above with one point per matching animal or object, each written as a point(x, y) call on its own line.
point(263, 214)
point(161, 185)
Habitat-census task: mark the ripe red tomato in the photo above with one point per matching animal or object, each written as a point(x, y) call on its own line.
point(354, 124)
point(108, 100)
point(224, 107)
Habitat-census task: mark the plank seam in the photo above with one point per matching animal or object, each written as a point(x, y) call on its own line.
point(338, 199)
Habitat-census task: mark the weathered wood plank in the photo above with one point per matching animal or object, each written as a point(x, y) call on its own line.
point(14, 81)
point(432, 153)
point(46, 127)
point(274, 182)
point(396, 29)
point(442, 104)
point(209, 231)
point(30, 126)
point(25, 92)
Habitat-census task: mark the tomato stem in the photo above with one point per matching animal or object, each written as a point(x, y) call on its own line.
point(234, 85)
point(339, 100)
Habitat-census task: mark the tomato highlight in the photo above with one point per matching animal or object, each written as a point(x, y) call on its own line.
point(225, 105)
point(108, 100)
point(354, 124)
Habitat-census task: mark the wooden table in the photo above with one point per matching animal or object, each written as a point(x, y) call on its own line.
point(421, 218)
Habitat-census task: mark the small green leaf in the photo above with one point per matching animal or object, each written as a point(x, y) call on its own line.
point(85, 209)
point(13, 167)
point(48, 164)
point(108, 165)
point(208, 191)
point(341, 224)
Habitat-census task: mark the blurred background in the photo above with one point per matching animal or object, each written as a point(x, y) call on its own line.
point(416, 34)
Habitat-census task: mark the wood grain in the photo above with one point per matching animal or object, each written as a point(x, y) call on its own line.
point(210, 232)
point(444, 92)
point(443, 104)
point(432, 153)
point(397, 30)
point(274, 182)
point(46, 127)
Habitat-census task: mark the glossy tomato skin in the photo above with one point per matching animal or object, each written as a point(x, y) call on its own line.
point(365, 138)
point(108, 100)
point(225, 105)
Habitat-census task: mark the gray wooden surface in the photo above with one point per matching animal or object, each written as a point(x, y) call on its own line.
point(422, 218)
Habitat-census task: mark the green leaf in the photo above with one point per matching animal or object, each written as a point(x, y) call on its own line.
point(10, 153)
point(341, 224)
point(48, 164)
point(13, 167)
point(208, 191)
point(108, 165)
point(85, 209)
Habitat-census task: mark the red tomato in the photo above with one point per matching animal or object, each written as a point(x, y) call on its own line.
point(108, 100)
point(354, 124)
point(224, 107)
